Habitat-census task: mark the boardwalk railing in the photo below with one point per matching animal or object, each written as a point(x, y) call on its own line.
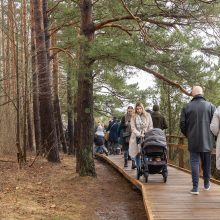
point(178, 154)
point(177, 148)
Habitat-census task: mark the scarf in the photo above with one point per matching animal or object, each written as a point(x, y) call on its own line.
point(139, 123)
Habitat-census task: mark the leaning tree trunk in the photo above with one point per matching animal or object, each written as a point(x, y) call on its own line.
point(85, 94)
point(49, 138)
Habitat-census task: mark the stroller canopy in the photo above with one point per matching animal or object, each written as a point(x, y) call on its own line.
point(155, 137)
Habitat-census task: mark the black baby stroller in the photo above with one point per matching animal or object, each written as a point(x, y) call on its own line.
point(153, 154)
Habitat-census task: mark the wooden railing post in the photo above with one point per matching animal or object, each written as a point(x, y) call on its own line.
point(181, 152)
point(170, 148)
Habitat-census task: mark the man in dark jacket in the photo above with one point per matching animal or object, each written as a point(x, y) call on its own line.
point(158, 119)
point(195, 122)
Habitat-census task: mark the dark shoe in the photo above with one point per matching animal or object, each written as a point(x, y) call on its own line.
point(126, 163)
point(129, 158)
point(133, 165)
point(138, 173)
point(207, 186)
point(106, 153)
point(194, 191)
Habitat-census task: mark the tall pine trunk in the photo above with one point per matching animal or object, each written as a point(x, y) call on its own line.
point(36, 105)
point(70, 111)
point(56, 97)
point(3, 72)
point(85, 94)
point(49, 137)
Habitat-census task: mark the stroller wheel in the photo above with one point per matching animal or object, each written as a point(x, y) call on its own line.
point(146, 176)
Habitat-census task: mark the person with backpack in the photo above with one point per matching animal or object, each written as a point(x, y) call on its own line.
point(114, 136)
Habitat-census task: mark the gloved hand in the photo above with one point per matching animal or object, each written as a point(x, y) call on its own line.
point(138, 139)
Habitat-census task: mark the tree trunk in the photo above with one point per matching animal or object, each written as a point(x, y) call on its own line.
point(56, 97)
point(3, 72)
point(29, 127)
point(70, 111)
point(25, 73)
point(36, 105)
point(46, 28)
point(49, 137)
point(85, 94)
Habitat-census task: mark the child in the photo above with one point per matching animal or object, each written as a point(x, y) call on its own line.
point(99, 141)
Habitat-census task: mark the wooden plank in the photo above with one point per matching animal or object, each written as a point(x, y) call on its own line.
point(172, 200)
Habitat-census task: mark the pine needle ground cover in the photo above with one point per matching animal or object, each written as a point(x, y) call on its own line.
point(56, 192)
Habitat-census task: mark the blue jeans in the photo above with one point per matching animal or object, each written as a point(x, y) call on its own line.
point(101, 149)
point(138, 160)
point(206, 167)
point(126, 147)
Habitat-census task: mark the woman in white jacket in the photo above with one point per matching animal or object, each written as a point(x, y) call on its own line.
point(141, 122)
point(215, 128)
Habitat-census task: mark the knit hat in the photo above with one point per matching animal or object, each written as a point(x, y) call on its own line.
point(156, 108)
point(99, 131)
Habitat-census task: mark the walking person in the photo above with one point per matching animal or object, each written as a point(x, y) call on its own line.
point(126, 134)
point(158, 119)
point(195, 122)
point(141, 122)
point(113, 137)
point(215, 128)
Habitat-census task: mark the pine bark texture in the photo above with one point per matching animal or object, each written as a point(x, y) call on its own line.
point(70, 130)
point(47, 122)
point(36, 105)
point(85, 94)
point(59, 123)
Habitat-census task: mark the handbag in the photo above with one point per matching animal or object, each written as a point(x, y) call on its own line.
point(106, 136)
point(126, 134)
point(138, 139)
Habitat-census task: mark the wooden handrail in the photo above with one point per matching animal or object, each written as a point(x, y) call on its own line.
point(175, 136)
point(180, 144)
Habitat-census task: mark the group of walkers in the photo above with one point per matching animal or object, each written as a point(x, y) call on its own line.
point(199, 122)
point(133, 125)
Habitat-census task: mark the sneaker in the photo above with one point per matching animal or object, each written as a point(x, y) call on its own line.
point(133, 165)
point(207, 186)
point(126, 163)
point(194, 191)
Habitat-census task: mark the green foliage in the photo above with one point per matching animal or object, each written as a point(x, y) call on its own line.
point(169, 42)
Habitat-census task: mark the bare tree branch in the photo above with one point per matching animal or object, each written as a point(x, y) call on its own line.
point(117, 26)
point(54, 7)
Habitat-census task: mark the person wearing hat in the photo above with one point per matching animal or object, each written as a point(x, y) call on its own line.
point(99, 141)
point(158, 119)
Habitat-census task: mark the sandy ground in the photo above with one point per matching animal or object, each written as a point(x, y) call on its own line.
point(56, 192)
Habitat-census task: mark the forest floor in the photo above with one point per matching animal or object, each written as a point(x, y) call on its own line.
point(55, 192)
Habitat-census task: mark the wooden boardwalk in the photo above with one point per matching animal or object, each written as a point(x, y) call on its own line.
point(172, 200)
